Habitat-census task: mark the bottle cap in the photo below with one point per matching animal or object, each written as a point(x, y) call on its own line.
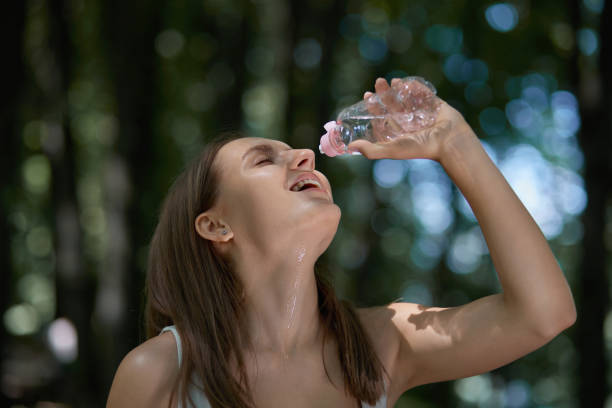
point(326, 146)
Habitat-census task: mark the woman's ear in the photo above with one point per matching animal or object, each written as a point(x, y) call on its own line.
point(208, 226)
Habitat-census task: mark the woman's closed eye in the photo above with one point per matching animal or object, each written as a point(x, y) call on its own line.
point(264, 159)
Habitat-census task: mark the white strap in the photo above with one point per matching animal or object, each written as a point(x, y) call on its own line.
point(178, 340)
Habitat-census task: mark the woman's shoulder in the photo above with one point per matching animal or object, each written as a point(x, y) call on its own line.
point(146, 374)
point(157, 353)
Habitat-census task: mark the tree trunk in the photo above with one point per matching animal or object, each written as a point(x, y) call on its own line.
point(75, 287)
point(595, 140)
point(11, 32)
point(130, 29)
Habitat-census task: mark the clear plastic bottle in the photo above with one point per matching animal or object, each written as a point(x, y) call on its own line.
point(370, 119)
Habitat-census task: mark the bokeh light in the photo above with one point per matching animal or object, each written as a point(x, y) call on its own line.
point(595, 6)
point(492, 120)
point(63, 340)
point(476, 390)
point(38, 290)
point(444, 39)
point(399, 38)
point(426, 252)
point(307, 53)
point(466, 251)
point(417, 292)
point(39, 241)
point(431, 207)
point(388, 173)
point(532, 179)
point(520, 114)
point(375, 20)
point(37, 174)
point(373, 49)
point(169, 43)
point(21, 319)
point(350, 26)
point(517, 394)
point(588, 41)
point(565, 113)
point(200, 96)
point(502, 17)
point(352, 252)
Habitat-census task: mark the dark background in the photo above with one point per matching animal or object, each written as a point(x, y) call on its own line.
point(103, 102)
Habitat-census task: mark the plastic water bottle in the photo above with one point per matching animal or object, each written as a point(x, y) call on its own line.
point(371, 120)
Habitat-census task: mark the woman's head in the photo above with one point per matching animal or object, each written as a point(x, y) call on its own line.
point(256, 206)
point(192, 284)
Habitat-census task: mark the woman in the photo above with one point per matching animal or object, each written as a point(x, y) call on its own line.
point(232, 286)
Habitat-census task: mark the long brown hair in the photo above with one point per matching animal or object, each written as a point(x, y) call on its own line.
point(189, 285)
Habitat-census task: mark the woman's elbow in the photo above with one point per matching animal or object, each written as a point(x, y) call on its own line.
point(562, 319)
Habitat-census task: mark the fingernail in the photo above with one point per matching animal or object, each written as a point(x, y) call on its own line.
point(356, 153)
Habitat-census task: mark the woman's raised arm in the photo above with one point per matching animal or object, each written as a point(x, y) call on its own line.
point(536, 303)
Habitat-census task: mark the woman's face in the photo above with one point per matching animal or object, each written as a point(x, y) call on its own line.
point(256, 197)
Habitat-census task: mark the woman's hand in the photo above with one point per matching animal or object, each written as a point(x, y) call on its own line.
point(427, 143)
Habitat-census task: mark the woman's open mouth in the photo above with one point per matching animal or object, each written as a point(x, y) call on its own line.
point(307, 184)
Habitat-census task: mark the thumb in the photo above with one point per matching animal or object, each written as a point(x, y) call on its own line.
point(368, 149)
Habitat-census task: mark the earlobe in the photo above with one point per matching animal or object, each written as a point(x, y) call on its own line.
point(212, 229)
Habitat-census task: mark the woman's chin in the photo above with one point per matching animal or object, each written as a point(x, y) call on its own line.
point(324, 230)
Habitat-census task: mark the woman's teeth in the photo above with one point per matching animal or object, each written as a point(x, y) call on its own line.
point(301, 184)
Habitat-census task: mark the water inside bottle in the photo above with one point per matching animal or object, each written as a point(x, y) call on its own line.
point(379, 128)
point(356, 127)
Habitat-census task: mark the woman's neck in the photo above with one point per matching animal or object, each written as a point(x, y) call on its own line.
point(281, 303)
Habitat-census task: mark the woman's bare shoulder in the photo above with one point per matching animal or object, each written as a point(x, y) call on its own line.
point(146, 374)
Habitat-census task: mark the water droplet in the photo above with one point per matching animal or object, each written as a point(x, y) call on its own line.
point(301, 252)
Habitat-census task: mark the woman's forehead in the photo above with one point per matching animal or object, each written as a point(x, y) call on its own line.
point(236, 149)
point(233, 153)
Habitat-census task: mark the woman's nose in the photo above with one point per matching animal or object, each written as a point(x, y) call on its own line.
point(303, 159)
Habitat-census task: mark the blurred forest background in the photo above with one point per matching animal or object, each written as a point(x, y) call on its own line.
point(104, 101)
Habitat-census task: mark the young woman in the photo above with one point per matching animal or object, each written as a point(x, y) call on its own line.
point(238, 316)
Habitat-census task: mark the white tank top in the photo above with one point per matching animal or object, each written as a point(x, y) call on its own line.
point(200, 400)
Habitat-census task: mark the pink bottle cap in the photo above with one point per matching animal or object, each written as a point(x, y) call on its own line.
point(326, 146)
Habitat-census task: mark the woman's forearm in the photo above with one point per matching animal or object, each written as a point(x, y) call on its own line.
point(533, 284)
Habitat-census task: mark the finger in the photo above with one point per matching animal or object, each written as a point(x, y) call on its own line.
point(396, 84)
point(370, 150)
point(393, 101)
point(381, 85)
point(374, 104)
point(383, 90)
point(378, 130)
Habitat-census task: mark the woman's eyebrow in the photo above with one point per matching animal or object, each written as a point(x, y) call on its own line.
point(264, 148)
